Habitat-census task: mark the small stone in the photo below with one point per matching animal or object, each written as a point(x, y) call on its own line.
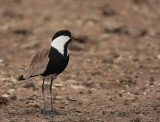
point(120, 95)
point(116, 55)
point(137, 120)
point(11, 91)
point(136, 76)
point(135, 93)
point(96, 73)
point(1, 61)
point(135, 59)
point(151, 79)
point(121, 114)
point(57, 85)
point(158, 56)
point(59, 98)
point(5, 95)
point(8, 13)
point(80, 103)
point(109, 61)
point(34, 104)
point(126, 102)
point(70, 99)
point(21, 32)
point(137, 111)
point(87, 84)
point(3, 100)
point(14, 120)
point(107, 11)
point(89, 91)
point(13, 97)
point(151, 83)
point(11, 111)
point(109, 66)
point(29, 85)
point(81, 92)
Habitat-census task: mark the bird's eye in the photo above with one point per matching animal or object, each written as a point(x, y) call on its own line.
point(65, 34)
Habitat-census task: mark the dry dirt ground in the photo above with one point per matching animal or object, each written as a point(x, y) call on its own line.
point(114, 71)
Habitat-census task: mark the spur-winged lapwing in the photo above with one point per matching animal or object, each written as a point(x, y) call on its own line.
point(50, 62)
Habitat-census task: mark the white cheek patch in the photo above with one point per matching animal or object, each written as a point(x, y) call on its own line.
point(59, 43)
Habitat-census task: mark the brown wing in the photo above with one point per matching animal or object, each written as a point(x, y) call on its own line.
point(38, 64)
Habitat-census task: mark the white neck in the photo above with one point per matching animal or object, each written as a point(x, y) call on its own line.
point(59, 42)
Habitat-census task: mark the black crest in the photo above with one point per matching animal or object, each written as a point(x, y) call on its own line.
point(60, 33)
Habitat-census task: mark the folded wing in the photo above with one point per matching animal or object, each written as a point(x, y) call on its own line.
point(38, 64)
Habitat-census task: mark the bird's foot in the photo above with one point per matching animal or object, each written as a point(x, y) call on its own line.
point(44, 112)
point(54, 112)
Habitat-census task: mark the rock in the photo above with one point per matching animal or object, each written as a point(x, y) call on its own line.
point(120, 95)
point(12, 111)
point(127, 81)
point(137, 32)
point(33, 104)
point(87, 84)
point(8, 13)
point(89, 91)
point(126, 102)
point(136, 120)
point(14, 120)
point(137, 111)
point(107, 11)
point(20, 32)
point(13, 97)
point(158, 57)
point(121, 114)
point(11, 91)
point(109, 61)
point(135, 59)
point(81, 92)
point(129, 97)
point(1, 61)
point(135, 93)
point(29, 85)
point(136, 76)
point(59, 98)
point(70, 99)
point(116, 30)
point(96, 73)
point(151, 79)
point(3, 100)
point(57, 85)
point(5, 95)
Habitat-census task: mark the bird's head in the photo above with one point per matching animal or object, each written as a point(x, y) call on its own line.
point(61, 39)
point(63, 35)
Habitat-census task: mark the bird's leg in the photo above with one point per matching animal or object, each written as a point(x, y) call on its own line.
point(43, 97)
point(51, 94)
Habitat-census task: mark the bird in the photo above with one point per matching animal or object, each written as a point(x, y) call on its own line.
point(50, 62)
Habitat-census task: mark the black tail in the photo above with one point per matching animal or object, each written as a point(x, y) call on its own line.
point(21, 78)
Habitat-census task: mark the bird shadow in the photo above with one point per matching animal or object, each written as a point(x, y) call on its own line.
point(49, 112)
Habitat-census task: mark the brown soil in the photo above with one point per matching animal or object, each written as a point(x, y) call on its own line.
point(113, 74)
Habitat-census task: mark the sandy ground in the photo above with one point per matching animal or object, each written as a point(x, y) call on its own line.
point(113, 74)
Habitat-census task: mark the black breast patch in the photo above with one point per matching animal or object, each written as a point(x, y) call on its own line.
point(57, 63)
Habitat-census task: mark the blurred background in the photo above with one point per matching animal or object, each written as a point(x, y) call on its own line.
point(113, 73)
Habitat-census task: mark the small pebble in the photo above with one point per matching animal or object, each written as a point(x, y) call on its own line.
point(137, 111)
point(29, 85)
